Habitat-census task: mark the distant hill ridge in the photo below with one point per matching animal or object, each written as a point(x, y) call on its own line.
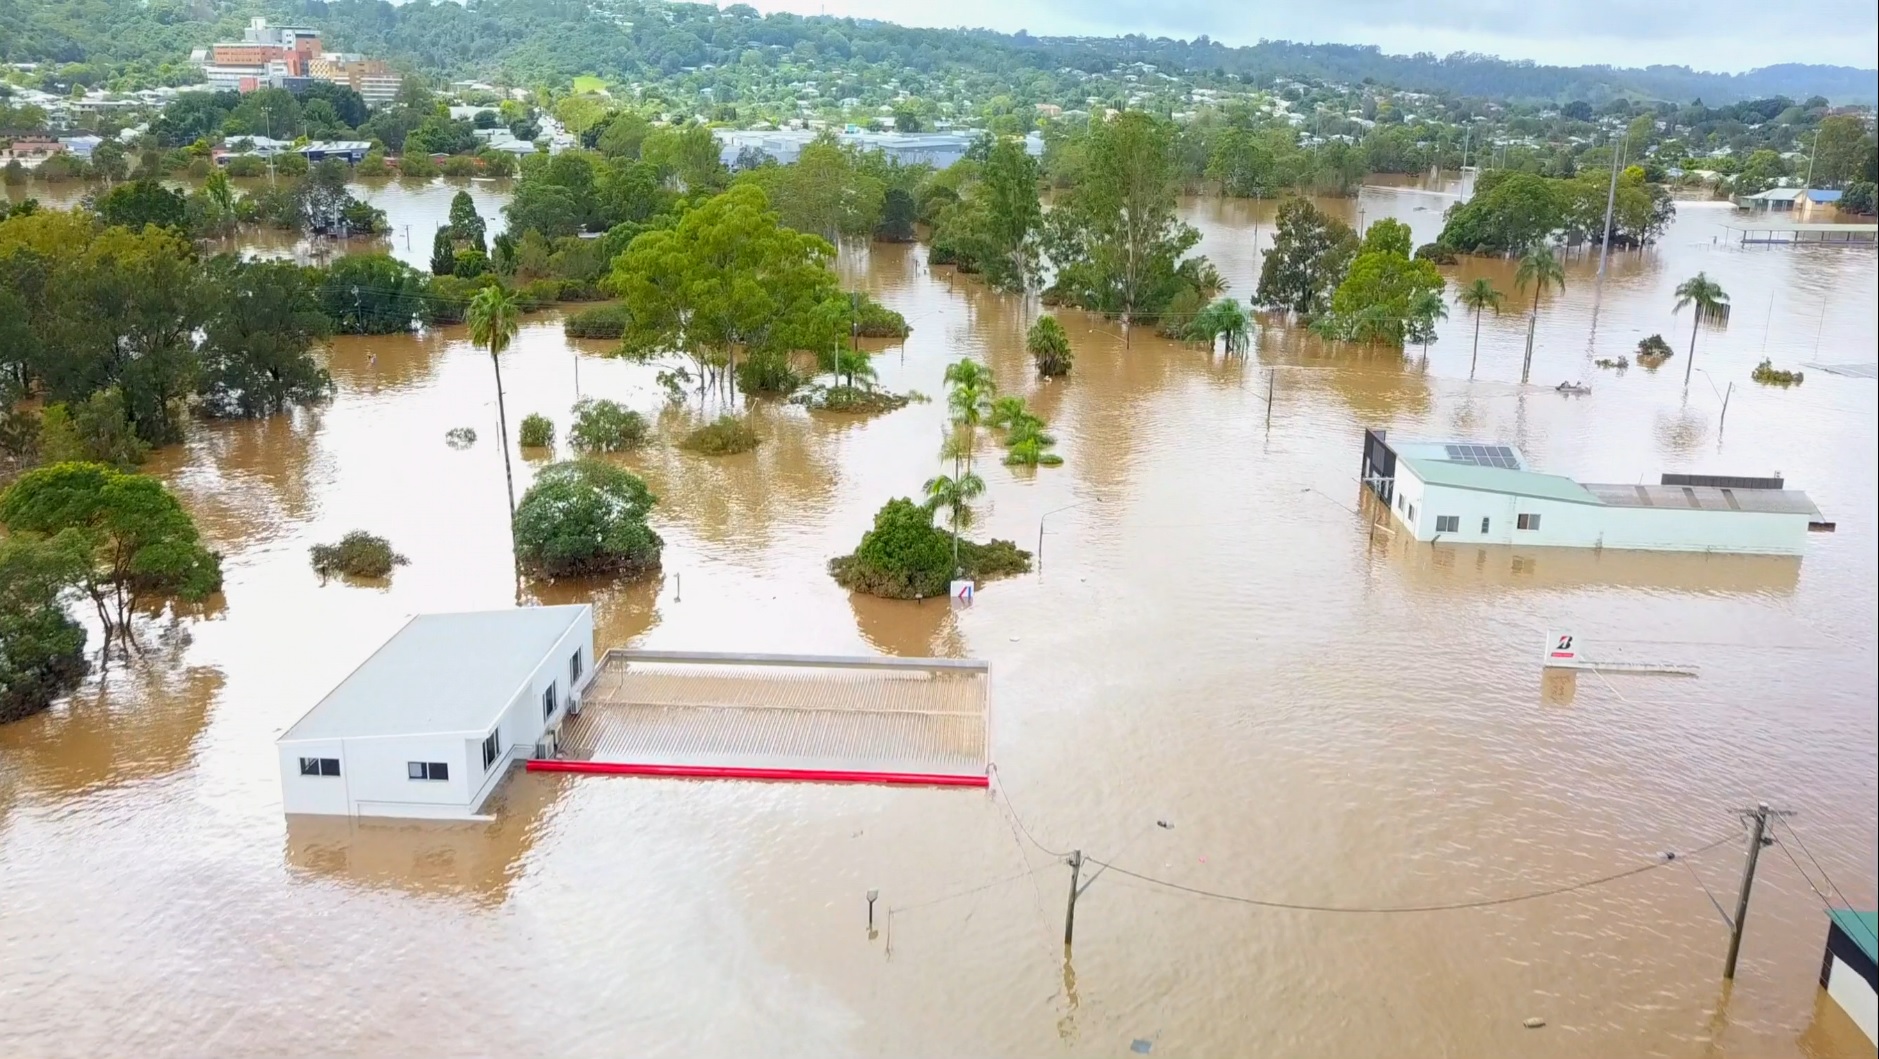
point(553, 40)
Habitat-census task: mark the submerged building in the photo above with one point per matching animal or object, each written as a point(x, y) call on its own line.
point(429, 724)
point(1464, 492)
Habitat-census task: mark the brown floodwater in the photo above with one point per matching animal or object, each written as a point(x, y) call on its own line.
point(1214, 639)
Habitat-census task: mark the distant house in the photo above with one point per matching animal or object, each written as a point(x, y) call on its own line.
point(352, 151)
point(428, 725)
point(1771, 199)
point(1466, 493)
point(1813, 199)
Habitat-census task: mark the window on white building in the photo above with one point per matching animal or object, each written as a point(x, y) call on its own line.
point(548, 702)
point(427, 770)
point(1412, 513)
point(1484, 524)
point(1448, 523)
point(492, 749)
point(1527, 522)
point(574, 668)
point(319, 766)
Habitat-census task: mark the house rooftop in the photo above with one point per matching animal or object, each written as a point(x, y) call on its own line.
point(1862, 927)
point(441, 673)
point(1706, 498)
point(1496, 468)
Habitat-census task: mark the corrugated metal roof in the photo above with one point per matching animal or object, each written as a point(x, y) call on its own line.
point(1705, 498)
point(1776, 195)
point(1498, 480)
point(1862, 927)
point(440, 673)
point(1817, 195)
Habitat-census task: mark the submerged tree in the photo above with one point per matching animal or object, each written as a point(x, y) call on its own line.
point(42, 650)
point(1475, 297)
point(1711, 303)
point(493, 317)
point(1540, 269)
point(586, 517)
point(728, 278)
point(1049, 347)
point(1307, 261)
point(257, 344)
point(138, 542)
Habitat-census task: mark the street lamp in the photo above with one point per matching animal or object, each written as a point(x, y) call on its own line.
point(1047, 514)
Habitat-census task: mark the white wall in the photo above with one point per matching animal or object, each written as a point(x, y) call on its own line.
point(325, 795)
point(1853, 995)
point(375, 779)
point(522, 722)
point(1570, 525)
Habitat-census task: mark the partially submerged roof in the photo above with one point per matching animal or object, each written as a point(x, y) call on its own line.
point(1706, 498)
point(1499, 480)
point(1862, 927)
point(440, 673)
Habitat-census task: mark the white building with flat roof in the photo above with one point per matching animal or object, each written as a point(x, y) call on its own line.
point(1467, 493)
point(428, 725)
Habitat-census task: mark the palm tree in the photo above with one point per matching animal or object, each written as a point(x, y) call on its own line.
point(1049, 346)
point(1005, 411)
point(492, 315)
point(1711, 302)
point(1476, 296)
point(1540, 268)
point(956, 496)
point(1424, 310)
point(969, 399)
point(1224, 317)
point(852, 365)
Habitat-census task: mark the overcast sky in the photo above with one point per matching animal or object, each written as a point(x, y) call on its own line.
point(1726, 35)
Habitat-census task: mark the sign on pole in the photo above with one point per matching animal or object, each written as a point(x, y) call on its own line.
point(962, 593)
point(1562, 651)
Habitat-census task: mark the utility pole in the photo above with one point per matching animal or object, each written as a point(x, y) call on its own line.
point(1070, 910)
point(1757, 840)
point(1605, 237)
point(1809, 182)
point(1272, 383)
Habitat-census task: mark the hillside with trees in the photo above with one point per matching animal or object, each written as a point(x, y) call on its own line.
point(552, 41)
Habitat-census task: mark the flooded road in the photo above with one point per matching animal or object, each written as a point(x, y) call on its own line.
point(1215, 639)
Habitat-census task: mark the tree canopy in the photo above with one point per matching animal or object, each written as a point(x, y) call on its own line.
point(586, 517)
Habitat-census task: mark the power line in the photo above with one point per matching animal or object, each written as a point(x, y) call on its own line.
point(1844, 903)
point(1453, 906)
point(999, 789)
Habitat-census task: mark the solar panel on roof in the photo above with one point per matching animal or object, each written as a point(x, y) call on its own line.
point(1484, 456)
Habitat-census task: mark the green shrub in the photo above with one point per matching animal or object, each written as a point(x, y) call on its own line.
point(1768, 375)
point(447, 298)
point(586, 517)
point(604, 426)
point(1653, 351)
point(602, 321)
point(538, 431)
point(372, 165)
point(854, 400)
point(358, 554)
point(246, 165)
point(768, 372)
point(458, 165)
point(460, 437)
point(874, 320)
point(905, 556)
point(42, 650)
point(416, 164)
point(469, 264)
point(726, 436)
point(290, 164)
point(537, 295)
point(95, 430)
point(1438, 253)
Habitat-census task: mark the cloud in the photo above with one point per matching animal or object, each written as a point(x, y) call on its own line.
point(1724, 35)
